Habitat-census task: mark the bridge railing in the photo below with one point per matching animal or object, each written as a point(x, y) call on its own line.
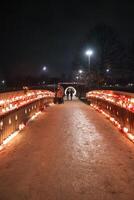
point(16, 111)
point(118, 107)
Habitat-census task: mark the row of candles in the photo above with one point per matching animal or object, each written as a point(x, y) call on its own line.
point(17, 101)
point(123, 100)
point(120, 99)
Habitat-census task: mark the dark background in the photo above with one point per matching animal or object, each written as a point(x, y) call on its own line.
point(50, 32)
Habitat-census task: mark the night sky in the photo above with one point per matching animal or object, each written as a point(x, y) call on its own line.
point(50, 33)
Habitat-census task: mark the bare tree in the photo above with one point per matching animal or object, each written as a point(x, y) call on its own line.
point(108, 49)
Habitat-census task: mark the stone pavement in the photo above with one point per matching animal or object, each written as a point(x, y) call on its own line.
point(70, 152)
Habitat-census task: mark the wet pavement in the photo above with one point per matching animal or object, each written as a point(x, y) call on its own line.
point(70, 152)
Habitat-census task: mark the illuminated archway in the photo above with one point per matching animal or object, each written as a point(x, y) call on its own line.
point(70, 88)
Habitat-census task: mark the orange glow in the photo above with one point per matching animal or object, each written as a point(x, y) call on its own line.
point(15, 102)
point(21, 127)
point(125, 130)
point(125, 101)
point(35, 115)
point(18, 101)
point(7, 140)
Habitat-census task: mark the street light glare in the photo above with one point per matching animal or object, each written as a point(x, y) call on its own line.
point(3, 81)
point(80, 71)
point(107, 70)
point(44, 68)
point(89, 52)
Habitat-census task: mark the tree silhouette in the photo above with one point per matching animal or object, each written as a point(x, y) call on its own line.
point(108, 48)
point(131, 58)
point(108, 63)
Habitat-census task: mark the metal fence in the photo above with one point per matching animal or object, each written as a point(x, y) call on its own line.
point(12, 120)
point(123, 116)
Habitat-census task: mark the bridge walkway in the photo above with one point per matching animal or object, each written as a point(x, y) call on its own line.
point(69, 152)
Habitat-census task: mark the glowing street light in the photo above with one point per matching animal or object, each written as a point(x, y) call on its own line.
point(107, 70)
point(89, 53)
point(3, 81)
point(44, 68)
point(80, 71)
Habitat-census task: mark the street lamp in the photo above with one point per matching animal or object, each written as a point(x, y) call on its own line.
point(3, 82)
point(107, 70)
point(44, 68)
point(80, 71)
point(88, 53)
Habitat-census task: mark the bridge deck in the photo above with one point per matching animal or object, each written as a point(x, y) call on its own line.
point(69, 152)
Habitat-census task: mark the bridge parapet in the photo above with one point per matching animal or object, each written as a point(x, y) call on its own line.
point(16, 108)
point(118, 107)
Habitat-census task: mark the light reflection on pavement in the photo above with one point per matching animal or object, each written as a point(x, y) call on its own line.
point(69, 152)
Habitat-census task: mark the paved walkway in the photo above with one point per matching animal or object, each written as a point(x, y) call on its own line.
point(70, 152)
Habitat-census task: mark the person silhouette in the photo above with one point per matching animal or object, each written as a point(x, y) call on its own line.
point(60, 94)
point(71, 94)
point(67, 94)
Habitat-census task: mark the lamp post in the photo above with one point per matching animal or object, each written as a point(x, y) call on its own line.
point(77, 78)
point(44, 69)
point(3, 82)
point(88, 53)
point(80, 72)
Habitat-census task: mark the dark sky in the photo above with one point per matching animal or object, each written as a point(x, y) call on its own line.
point(49, 33)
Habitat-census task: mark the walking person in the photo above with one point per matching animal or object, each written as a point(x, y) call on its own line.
point(71, 94)
point(60, 94)
point(67, 95)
